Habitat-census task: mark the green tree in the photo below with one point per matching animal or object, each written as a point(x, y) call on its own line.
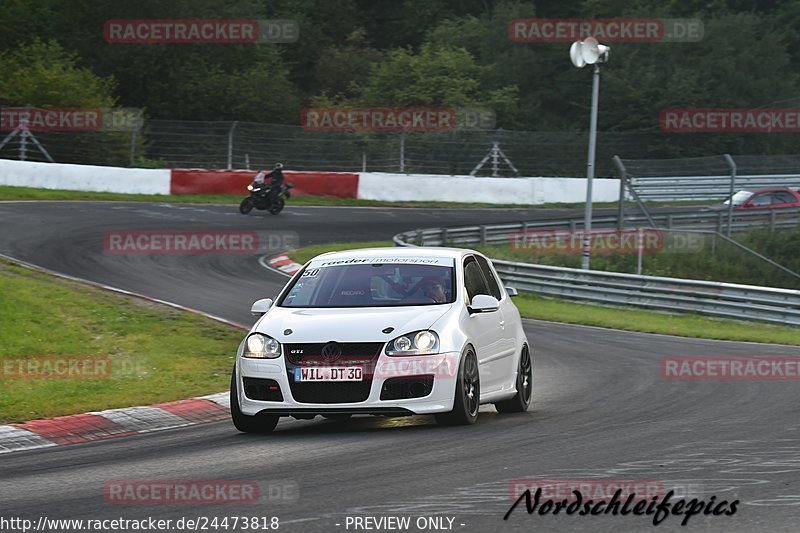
point(246, 81)
point(742, 62)
point(43, 74)
point(342, 71)
point(22, 21)
point(436, 76)
point(533, 69)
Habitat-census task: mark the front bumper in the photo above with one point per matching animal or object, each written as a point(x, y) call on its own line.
point(443, 367)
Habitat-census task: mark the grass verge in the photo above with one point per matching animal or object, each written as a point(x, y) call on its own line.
point(156, 353)
point(30, 193)
point(682, 325)
point(629, 319)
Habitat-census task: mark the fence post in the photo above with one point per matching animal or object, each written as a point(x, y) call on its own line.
point(732, 165)
point(402, 151)
point(495, 158)
point(623, 178)
point(444, 237)
point(483, 235)
point(772, 221)
point(23, 141)
point(133, 143)
point(230, 145)
point(639, 251)
point(363, 161)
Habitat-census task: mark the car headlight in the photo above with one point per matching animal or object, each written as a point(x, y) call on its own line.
point(260, 346)
point(415, 343)
point(249, 187)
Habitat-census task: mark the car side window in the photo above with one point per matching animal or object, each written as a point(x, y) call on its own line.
point(782, 198)
point(494, 287)
point(473, 279)
point(761, 199)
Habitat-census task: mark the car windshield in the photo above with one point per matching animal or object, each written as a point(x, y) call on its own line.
point(739, 198)
point(373, 282)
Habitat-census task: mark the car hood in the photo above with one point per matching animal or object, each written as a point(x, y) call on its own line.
point(348, 325)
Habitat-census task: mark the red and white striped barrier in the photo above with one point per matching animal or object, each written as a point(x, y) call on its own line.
point(361, 185)
point(165, 181)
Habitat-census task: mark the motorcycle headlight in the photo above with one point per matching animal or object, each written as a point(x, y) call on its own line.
point(422, 342)
point(249, 187)
point(258, 346)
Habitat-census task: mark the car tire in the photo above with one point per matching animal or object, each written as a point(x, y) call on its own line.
point(260, 423)
point(467, 399)
point(520, 402)
point(246, 206)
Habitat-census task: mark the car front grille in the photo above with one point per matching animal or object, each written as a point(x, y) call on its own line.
point(363, 354)
point(309, 354)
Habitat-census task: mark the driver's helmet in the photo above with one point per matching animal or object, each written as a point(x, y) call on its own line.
point(278, 166)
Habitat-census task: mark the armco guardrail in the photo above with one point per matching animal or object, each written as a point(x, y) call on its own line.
point(702, 178)
point(705, 187)
point(705, 297)
point(705, 178)
point(502, 233)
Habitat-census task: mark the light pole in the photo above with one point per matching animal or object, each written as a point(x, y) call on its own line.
point(582, 53)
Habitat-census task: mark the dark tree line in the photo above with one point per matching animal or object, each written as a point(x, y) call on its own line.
point(406, 53)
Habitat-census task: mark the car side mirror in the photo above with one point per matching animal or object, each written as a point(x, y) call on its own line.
point(261, 306)
point(511, 291)
point(483, 303)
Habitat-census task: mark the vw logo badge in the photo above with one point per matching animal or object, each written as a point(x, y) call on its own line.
point(331, 352)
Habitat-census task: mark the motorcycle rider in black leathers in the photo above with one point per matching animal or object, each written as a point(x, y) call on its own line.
point(276, 176)
point(277, 180)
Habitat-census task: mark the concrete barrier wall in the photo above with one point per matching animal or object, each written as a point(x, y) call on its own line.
point(571, 190)
point(365, 185)
point(84, 177)
point(527, 191)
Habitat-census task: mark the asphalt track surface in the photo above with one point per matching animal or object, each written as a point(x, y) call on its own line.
point(600, 410)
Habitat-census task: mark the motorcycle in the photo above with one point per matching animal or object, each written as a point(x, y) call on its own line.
point(261, 198)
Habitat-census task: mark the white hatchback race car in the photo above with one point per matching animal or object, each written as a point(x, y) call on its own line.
point(384, 331)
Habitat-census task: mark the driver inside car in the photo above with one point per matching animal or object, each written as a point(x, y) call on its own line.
point(434, 290)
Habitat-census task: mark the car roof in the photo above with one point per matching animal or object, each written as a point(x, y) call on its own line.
point(768, 189)
point(399, 251)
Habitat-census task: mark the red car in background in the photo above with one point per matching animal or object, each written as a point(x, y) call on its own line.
point(776, 198)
